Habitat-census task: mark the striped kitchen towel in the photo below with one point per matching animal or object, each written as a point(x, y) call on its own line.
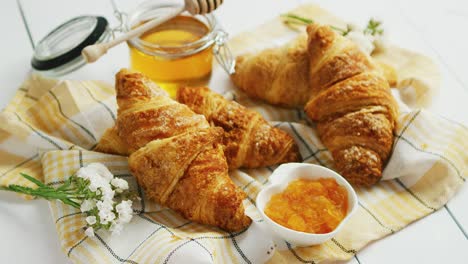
point(51, 127)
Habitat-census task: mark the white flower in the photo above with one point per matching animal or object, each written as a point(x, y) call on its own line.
point(125, 218)
point(105, 211)
point(106, 216)
point(87, 205)
point(363, 41)
point(96, 181)
point(105, 205)
point(124, 209)
point(93, 187)
point(107, 193)
point(125, 205)
point(116, 228)
point(91, 220)
point(89, 232)
point(86, 173)
point(120, 184)
point(102, 170)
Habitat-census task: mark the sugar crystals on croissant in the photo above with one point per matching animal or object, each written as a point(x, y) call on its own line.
point(352, 105)
point(249, 140)
point(343, 91)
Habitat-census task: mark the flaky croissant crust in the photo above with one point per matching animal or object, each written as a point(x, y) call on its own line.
point(249, 140)
point(176, 156)
point(352, 105)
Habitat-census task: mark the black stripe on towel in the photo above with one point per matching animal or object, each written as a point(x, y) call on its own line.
point(74, 246)
point(30, 97)
point(80, 156)
point(71, 120)
point(144, 240)
point(415, 196)
point(101, 103)
point(297, 255)
point(398, 180)
point(113, 253)
point(375, 218)
point(183, 244)
point(434, 154)
point(313, 155)
point(406, 126)
point(239, 250)
point(68, 215)
point(349, 251)
point(305, 144)
point(55, 183)
point(39, 133)
point(20, 164)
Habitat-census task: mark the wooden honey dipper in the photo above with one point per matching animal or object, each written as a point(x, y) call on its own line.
point(195, 7)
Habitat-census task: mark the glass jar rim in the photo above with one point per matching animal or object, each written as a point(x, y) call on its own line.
point(158, 50)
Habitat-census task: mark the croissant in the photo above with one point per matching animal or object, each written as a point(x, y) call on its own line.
point(176, 156)
point(279, 75)
point(249, 140)
point(111, 143)
point(352, 105)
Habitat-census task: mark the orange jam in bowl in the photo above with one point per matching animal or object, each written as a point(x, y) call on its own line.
point(312, 206)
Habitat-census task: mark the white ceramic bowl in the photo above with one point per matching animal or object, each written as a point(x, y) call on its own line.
point(280, 179)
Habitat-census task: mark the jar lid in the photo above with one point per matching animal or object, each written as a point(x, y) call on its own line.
point(63, 45)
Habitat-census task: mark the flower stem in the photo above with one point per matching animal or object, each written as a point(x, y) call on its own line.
point(46, 192)
point(295, 19)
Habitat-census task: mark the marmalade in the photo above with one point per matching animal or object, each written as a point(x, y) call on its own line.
point(312, 206)
point(171, 38)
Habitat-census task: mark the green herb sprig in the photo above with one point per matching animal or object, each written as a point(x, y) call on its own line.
point(374, 27)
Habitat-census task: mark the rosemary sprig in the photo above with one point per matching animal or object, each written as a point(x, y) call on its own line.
point(295, 19)
point(374, 27)
point(292, 18)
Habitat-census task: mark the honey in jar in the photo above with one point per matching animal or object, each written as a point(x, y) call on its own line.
point(312, 206)
point(174, 54)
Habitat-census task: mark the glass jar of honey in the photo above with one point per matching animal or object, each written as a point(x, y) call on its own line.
point(178, 52)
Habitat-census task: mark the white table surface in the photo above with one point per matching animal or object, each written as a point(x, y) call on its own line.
point(435, 28)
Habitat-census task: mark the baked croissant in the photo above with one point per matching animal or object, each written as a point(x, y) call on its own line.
point(352, 105)
point(111, 143)
point(176, 156)
point(249, 140)
point(276, 75)
point(279, 75)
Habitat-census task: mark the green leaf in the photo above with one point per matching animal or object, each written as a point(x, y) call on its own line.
point(34, 180)
point(374, 27)
point(65, 185)
point(297, 19)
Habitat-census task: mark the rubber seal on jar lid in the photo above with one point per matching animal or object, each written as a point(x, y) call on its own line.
point(65, 43)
